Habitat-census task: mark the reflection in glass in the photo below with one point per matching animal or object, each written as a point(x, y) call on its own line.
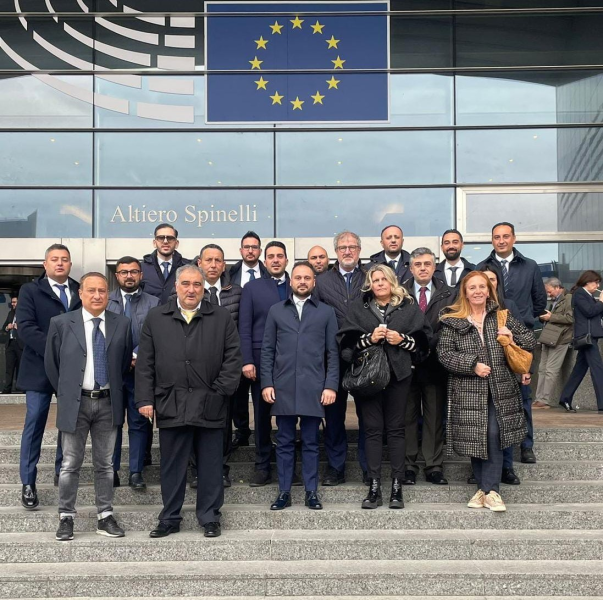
point(45, 213)
point(322, 213)
point(421, 42)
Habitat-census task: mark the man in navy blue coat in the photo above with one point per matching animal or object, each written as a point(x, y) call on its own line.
point(257, 298)
point(300, 375)
point(54, 293)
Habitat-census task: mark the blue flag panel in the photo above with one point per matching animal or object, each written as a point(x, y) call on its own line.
point(339, 43)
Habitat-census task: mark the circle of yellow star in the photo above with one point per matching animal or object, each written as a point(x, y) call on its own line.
point(317, 28)
point(255, 63)
point(276, 28)
point(261, 43)
point(261, 84)
point(297, 22)
point(297, 103)
point(332, 42)
point(317, 98)
point(333, 82)
point(276, 99)
point(338, 63)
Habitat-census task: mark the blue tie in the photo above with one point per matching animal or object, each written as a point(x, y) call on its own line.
point(348, 282)
point(166, 269)
point(505, 273)
point(251, 274)
point(128, 307)
point(99, 353)
point(63, 295)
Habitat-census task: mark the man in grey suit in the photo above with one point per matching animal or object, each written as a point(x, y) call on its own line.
point(88, 352)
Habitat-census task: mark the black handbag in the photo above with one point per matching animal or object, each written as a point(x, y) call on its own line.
point(369, 373)
point(583, 341)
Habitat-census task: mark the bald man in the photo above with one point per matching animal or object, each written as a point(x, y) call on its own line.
point(319, 259)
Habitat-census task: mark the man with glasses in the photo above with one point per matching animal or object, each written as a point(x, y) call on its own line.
point(129, 300)
point(339, 287)
point(392, 255)
point(159, 268)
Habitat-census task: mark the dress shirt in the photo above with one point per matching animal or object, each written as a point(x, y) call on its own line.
point(218, 286)
point(396, 260)
point(418, 287)
point(508, 259)
point(280, 280)
point(448, 273)
point(88, 383)
point(344, 272)
point(169, 261)
point(124, 294)
point(56, 290)
point(245, 273)
point(299, 304)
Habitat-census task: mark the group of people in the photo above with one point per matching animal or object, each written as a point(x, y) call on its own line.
point(182, 344)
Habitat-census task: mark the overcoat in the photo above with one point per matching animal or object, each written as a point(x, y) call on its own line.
point(402, 267)
point(300, 359)
point(587, 311)
point(154, 282)
point(460, 349)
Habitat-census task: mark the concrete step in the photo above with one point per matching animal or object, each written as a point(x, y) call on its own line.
point(334, 516)
point(329, 598)
point(297, 545)
point(529, 492)
point(320, 578)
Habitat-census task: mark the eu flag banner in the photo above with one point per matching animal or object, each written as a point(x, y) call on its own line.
point(337, 38)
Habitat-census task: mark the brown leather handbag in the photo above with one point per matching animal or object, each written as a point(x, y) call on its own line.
point(519, 360)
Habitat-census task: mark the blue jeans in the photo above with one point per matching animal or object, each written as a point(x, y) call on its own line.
point(489, 472)
point(528, 442)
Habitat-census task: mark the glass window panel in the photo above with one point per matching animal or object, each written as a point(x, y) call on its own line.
point(322, 213)
point(45, 158)
point(421, 42)
point(45, 213)
point(367, 157)
point(421, 100)
point(184, 159)
point(196, 214)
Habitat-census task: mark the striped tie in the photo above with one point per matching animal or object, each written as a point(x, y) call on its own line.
point(505, 274)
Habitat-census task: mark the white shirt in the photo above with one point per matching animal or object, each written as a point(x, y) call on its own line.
point(124, 294)
point(57, 291)
point(344, 272)
point(396, 260)
point(245, 276)
point(88, 383)
point(448, 273)
point(169, 262)
point(508, 259)
point(218, 286)
point(427, 291)
point(280, 279)
point(299, 304)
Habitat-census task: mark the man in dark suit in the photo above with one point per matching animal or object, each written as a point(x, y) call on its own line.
point(189, 363)
point(88, 351)
point(453, 268)
point(54, 293)
point(392, 255)
point(129, 300)
point(14, 347)
point(257, 298)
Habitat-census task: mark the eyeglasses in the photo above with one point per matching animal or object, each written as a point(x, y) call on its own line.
point(348, 248)
point(250, 247)
point(165, 238)
point(125, 273)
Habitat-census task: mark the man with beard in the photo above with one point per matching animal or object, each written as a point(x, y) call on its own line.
point(319, 259)
point(453, 268)
point(392, 255)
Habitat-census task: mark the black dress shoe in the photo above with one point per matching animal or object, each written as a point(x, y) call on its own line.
point(116, 481)
point(395, 499)
point(472, 480)
point(436, 477)
point(226, 480)
point(283, 500)
point(374, 498)
point(65, 531)
point(509, 477)
point(238, 441)
point(313, 501)
point(164, 529)
point(56, 480)
point(528, 456)
point(135, 481)
point(333, 477)
point(29, 497)
point(212, 530)
point(260, 478)
point(194, 483)
point(410, 478)
point(567, 406)
point(297, 482)
point(148, 461)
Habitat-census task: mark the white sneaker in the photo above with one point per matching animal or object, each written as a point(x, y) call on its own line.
point(477, 501)
point(494, 502)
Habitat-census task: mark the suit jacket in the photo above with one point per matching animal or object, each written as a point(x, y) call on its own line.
point(402, 268)
point(467, 268)
point(587, 310)
point(65, 363)
point(237, 269)
point(257, 298)
point(38, 304)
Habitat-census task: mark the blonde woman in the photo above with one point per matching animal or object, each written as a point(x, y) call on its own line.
point(385, 314)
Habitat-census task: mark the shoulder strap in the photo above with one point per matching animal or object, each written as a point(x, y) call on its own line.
point(501, 316)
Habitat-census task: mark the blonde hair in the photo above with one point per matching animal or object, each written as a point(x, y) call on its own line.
point(398, 292)
point(461, 309)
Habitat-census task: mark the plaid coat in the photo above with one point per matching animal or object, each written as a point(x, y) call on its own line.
point(460, 348)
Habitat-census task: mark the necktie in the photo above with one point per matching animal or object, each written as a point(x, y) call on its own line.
point(251, 274)
point(505, 274)
point(213, 295)
point(128, 307)
point(423, 299)
point(63, 295)
point(99, 354)
point(453, 275)
point(166, 269)
point(348, 282)
point(188, 314)
point(13, 331)
point(392, 264)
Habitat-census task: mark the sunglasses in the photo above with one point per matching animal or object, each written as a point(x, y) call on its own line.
point(165, 238)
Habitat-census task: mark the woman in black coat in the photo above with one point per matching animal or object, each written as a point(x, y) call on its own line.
point(587, 319)
point(385, 314)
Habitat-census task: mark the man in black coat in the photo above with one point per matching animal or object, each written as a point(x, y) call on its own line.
point(159, 268)
point(14, 346)
point(338, 288)
point(54, 293)
point(453, 268)
point(392, 255)
point(189, 363)
point(427, 395)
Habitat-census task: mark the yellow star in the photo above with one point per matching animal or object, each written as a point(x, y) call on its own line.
point(297, 103)
point(317, 98)
point(317, 28)
point(338, 63)
point(276, 28)
point(332, 42)
point(276, 99)
point(261, 83)
point(261, 43)
point(297, 23)
point(255, 63)
point(333, 83)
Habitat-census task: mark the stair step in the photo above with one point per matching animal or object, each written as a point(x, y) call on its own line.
point(329, 598)
point(359, 578)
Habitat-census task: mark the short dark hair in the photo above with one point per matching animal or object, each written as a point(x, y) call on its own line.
point(504, 224)
point(162, 226)
point(388, 226)
point(275, 245)
point(455, 231)
point(56, 247)
point(303, 263)
point(251, 234)
point(127, 260)
point(92, 274)
point(208, 247)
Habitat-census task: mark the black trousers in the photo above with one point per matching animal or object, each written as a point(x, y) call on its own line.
point(240, 409)
point(176, 445)
point(263, 420)
point(385, 412)
point(586, 358)
point(13, 358)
